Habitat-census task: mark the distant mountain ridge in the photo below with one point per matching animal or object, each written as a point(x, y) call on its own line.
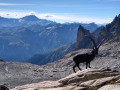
point(24, 37)
point(27, 20)
point(30, 18)
point(33, 20)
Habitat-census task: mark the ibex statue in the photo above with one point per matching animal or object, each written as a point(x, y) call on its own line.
point(87, 57)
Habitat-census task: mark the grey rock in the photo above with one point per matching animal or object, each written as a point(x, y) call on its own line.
point(81, 83)
point(110, 87)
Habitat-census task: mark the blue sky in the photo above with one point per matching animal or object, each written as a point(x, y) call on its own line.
point(86, 11)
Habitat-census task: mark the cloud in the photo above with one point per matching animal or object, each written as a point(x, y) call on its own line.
point(49, 15)
point(80, 19)
point(54, 17)
point(31, 13)
point(12, 14)
point(13, 4)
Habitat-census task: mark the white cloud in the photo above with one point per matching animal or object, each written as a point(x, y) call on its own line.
point(12, 4)
point(48, 16)
point(54, 17)
point(69, 18)
point(31, 13)
point(12, 14)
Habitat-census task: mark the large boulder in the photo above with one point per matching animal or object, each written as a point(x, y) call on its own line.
point(81, 41)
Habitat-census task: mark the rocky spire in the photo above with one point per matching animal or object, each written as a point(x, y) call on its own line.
point(80, 37)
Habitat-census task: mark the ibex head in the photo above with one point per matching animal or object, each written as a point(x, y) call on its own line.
point(96, 48)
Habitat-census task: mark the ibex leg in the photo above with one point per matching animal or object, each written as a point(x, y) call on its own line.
point(78, 66)
point(74, 68)
point(89, 65)
point(86, 65)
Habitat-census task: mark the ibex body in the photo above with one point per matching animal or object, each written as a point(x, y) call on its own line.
point(87, 57)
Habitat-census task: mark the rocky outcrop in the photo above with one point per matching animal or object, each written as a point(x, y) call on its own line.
point(89, 79)
point(82, 42)
point(110, 30)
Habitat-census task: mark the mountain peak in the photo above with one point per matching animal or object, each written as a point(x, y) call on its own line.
point(92, 23)
point(30, 18)
point(119, 16)
point(80, 27)
point(80, 37)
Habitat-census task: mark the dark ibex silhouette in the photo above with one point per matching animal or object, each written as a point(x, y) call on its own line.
point(87, 57)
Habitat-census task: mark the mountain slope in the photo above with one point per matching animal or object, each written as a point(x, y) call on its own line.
point(41, 59)
point(31, 35)
point(63, 50)
point(24, 21)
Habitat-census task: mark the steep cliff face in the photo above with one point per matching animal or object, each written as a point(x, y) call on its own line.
point(82, 42)
point(110, 30)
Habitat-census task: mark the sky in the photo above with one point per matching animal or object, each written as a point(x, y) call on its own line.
point(83, 11)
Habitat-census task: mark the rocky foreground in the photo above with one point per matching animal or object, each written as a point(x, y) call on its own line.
point(88, 79)
point(17, 74)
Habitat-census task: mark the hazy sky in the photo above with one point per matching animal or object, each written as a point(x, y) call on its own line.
point(98, 11)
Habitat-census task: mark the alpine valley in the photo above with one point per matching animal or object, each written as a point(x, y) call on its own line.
point(22, 38)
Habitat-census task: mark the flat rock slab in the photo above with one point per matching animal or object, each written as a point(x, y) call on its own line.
point(65, 88)
point(45, 84)
point(110, 87)
point(49, 88)
point(87, 74)
point(98, 82)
